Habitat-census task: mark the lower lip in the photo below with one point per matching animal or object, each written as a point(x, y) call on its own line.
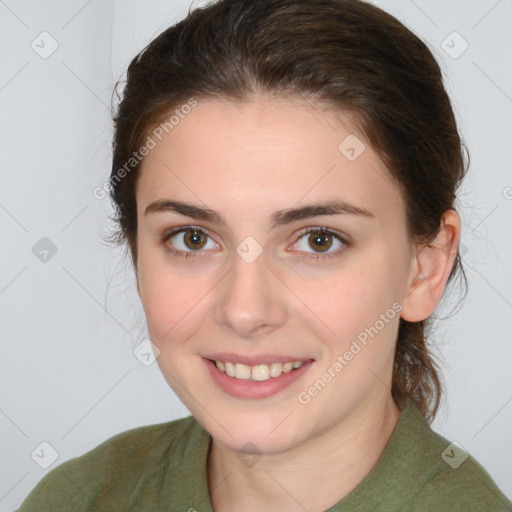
point(253, 388)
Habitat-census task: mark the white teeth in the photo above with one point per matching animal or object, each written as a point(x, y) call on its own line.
point(261, 372)
point(258, 372)
point(276, 369)
point(287, 367)
point(230, 369)
point(242, 371)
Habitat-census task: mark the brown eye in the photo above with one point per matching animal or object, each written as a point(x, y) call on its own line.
point(189, 241)
point(320, 240)
point(194, 239)
point(320, 243)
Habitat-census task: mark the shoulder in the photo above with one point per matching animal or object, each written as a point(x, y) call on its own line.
point(467, 488)
point(457, 482)
point(110, 471)
point(421, 471)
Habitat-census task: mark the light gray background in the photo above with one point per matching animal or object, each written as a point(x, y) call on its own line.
point(69, 325)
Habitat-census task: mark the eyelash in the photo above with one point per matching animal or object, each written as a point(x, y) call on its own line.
point(316, 256)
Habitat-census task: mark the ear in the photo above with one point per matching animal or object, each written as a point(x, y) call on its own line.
point(431, 269)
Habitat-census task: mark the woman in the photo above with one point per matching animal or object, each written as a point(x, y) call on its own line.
point(284, 176)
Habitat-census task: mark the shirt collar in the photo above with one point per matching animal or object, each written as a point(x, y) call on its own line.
point(411, 457)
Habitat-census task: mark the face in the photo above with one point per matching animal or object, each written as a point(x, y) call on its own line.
point(234, 264)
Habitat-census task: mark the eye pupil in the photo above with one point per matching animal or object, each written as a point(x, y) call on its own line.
point(319, 238)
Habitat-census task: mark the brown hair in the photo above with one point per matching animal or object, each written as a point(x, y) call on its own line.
point(346, 54)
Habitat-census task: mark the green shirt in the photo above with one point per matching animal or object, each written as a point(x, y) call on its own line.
point(163, 468)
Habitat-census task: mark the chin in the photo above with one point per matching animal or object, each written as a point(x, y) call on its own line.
point(258, 433)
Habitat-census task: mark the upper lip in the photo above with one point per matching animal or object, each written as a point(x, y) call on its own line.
point(254, 360)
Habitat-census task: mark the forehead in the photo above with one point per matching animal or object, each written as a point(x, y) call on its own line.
point(265, 152)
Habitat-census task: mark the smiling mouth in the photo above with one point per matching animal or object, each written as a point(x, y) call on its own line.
point(259, 372)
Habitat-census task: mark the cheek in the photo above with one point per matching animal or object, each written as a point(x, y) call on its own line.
point(350, 299)
point(172, 303)
point(360, 308)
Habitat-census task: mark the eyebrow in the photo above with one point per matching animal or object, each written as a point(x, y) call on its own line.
point(278, 218)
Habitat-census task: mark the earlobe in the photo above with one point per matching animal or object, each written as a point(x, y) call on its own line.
point(433, 265)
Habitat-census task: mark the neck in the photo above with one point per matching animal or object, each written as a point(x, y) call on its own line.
point(331, 465)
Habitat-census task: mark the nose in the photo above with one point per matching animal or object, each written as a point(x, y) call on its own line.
point(251, 300)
